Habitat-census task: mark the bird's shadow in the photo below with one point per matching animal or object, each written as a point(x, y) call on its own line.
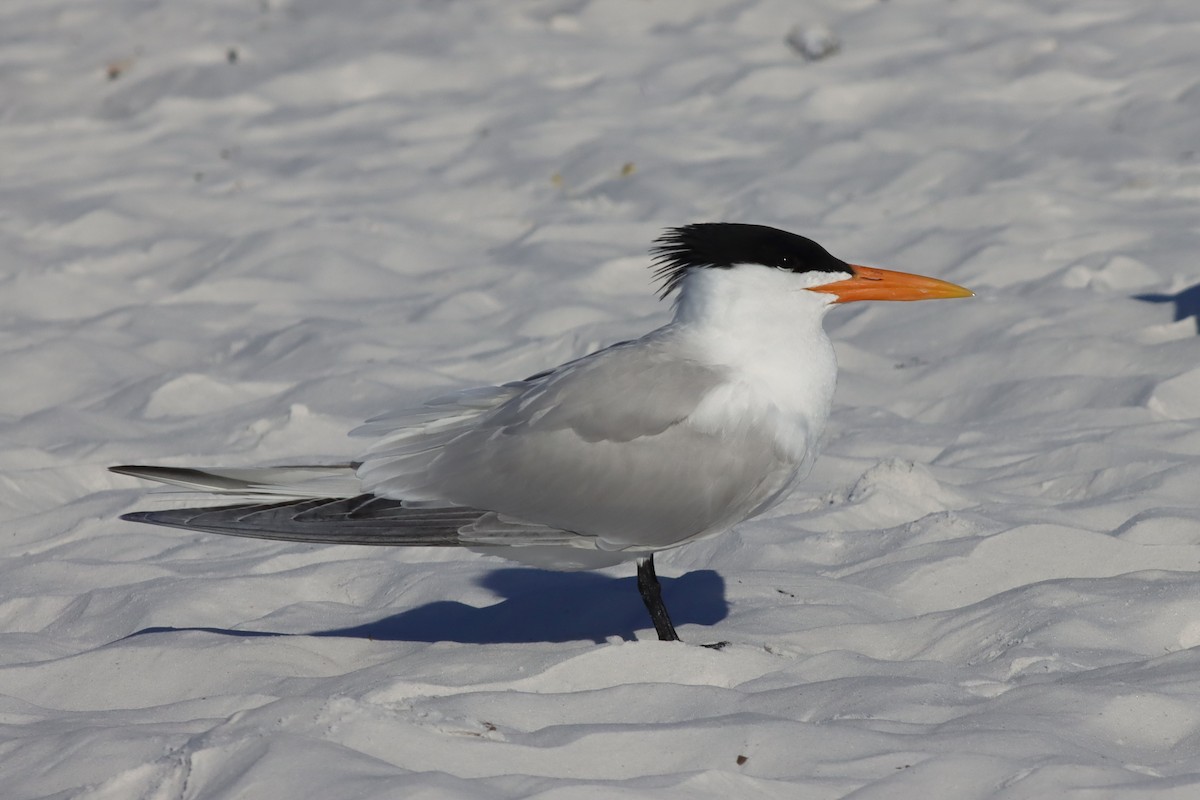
point(1187, 302)
point(538, 606)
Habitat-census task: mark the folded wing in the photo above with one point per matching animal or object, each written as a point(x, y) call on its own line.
point(606, 446)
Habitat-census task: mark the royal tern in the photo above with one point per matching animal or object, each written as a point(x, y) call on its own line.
point(643, 446)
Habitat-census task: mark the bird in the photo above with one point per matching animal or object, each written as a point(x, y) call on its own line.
point(639, 447)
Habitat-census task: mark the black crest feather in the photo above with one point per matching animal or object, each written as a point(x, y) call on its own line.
point(720, 245)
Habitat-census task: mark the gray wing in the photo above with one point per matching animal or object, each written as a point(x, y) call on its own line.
point(366, 519)
point(606, 446)
point(309, 515)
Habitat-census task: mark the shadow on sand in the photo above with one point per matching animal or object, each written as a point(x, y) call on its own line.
point(1187, 302)
point(538, 606)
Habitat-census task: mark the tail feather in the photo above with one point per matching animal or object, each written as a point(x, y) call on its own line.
point(336, 480)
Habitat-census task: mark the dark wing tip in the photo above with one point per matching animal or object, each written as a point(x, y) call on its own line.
point(153, 473)
point(127, 469)
point(171, 519)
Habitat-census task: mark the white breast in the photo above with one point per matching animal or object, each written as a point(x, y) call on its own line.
point(762, 327)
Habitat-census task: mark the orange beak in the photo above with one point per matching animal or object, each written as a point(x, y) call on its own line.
point(870, 283)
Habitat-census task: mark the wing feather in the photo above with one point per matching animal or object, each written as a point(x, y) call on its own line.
point(605, 446)
point(366, 520)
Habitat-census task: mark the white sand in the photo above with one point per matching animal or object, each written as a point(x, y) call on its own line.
point(988, 588)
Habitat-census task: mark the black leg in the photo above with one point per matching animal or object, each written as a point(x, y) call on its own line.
point(652, 597)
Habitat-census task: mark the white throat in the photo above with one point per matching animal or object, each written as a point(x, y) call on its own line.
point(763, 327)
point(752, 315)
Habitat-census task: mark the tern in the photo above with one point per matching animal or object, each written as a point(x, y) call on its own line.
point(642, 446)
